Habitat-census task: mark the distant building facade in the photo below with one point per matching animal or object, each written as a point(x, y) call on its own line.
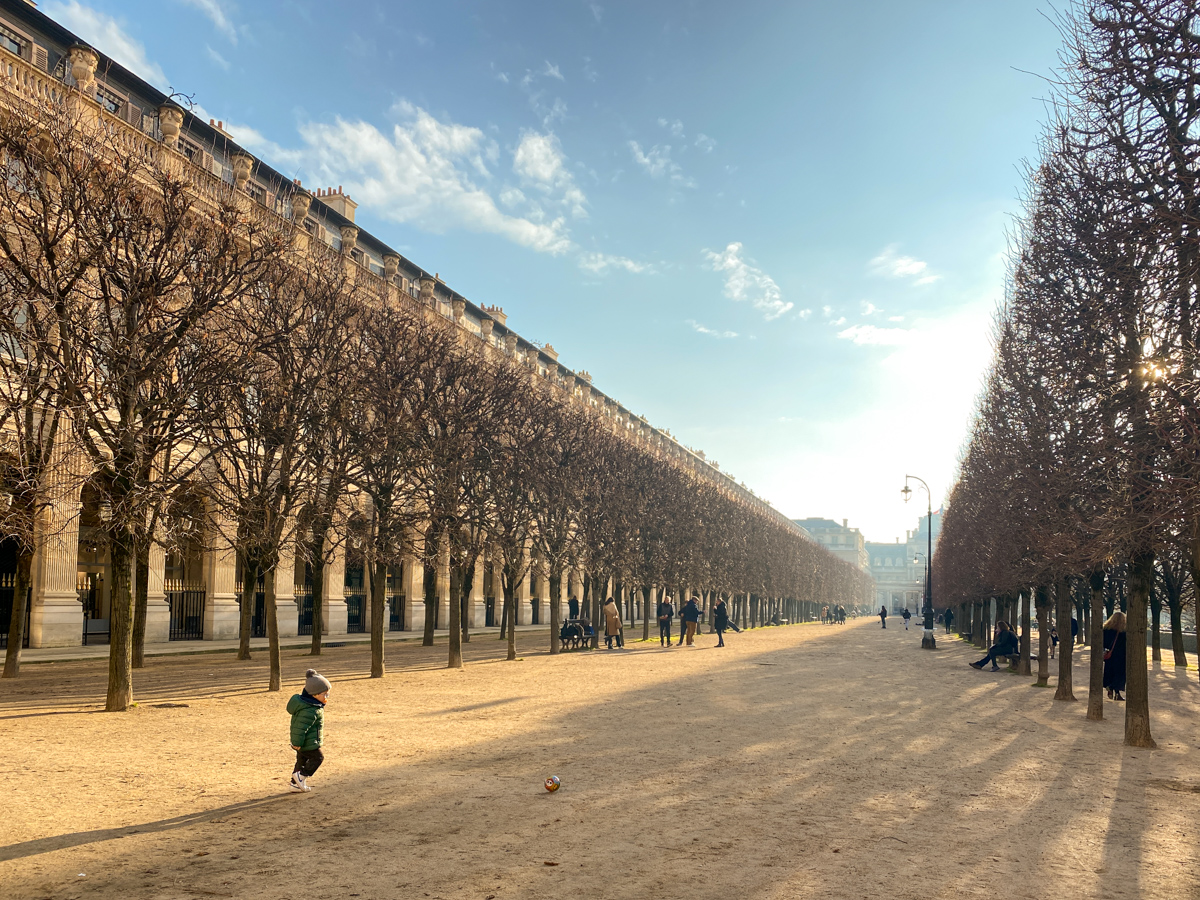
point(899, 571)
point(842, 541)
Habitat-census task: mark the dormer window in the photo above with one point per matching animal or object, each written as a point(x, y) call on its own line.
point(109, 99)
point(13, 42)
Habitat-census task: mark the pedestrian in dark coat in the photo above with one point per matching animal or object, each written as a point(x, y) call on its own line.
point(949, 619)
point(721, 621)
point(1114, 655)
point(883, 616)
point(690, 616)
point(666, 612)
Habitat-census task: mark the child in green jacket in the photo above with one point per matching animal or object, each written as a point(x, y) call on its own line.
point(308, 718)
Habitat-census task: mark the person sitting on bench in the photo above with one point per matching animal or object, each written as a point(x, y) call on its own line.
point(1006, 645)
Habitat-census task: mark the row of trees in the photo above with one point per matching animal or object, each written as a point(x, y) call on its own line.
point(212, 373)
point(1083, 465)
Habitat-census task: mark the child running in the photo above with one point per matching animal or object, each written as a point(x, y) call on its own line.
point(307, 710)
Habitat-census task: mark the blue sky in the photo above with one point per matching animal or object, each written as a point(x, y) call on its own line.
point(775, 229)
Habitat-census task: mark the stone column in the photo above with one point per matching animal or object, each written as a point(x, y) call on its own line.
point(334, 592)
point(56, 618)
point(443, 584)
point(524, 608)
point(158, 613)
point(413, 578)
point(287, 613)
point(221, 609)
point(476, 600)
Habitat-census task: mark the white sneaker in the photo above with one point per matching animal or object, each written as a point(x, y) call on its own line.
point(303, 781)
point(297, 785)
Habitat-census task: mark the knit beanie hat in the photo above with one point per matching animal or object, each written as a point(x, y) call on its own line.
point(315, 683)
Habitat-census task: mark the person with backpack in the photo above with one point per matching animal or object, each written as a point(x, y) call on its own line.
point(883, 616)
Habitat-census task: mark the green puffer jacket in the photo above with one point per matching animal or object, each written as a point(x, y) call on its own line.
point(308, 718)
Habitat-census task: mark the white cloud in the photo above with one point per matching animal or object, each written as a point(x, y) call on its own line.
point(597, 11)
point(747, 283)
point(869, 308)
point(804, 314)
point(876, 336)
point(705, 143)
point(711, 332)
point(426, 173)
point(217, 58)
point(839, 321)
point(552, 71)
point(107, 35)
point(600, 263)
point(672, 125)
point(589, 71)
point(539, 161)
point(895, 318)
point(890, 264)
point(827, 311)
point(217, 15)
point(657, 163)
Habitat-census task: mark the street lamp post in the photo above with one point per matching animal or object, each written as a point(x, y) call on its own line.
point(928, 642)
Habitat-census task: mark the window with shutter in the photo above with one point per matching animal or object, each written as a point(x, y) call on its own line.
point(133, 114)
point(112, 101)
point(15, 42)
point(41, 58)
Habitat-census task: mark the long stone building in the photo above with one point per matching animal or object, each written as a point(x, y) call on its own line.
point(194, 591)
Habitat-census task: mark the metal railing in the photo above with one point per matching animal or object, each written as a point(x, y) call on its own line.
point(187, 610)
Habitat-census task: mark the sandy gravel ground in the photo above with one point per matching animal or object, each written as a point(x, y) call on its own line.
point(804, 761)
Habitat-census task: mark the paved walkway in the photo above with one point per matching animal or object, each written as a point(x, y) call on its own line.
point(798, 762)
point(190, 648)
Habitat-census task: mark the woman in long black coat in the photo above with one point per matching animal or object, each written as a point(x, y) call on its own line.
point(1114, 655)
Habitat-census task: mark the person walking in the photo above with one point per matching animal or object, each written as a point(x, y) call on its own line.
point(307, 710)
point(883, 616)
point(949, 619)
point(666, 612)
point(721, 621)
point(906, 615)
point(689, 616)
point(1006, 645)
point(1114, 655)
point(612, 624)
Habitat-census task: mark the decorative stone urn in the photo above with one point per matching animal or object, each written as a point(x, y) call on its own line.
point(427, 291)
point(83, 67)
point(349, 238)
point(460, 307)
point(243, 165)
point(486, 326)
point(391, 265)
point(170, 123)
point(510, 343)
point(301, 202)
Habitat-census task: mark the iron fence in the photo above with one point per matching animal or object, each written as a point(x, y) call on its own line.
point(187, 610)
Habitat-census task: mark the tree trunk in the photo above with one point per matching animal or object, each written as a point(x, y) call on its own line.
point(1066, 645)
point(503, 616)
point(597, 614)
point(431, 597)
point(1024, 667)
point(454, 660)
point(649, 609)
point(1175, 607)
point(1043, 620)
point(555, 609)
point(510, 612)
point(269, 610)
point(120, 639)
point(317, 552)
point(1155, 628)
point(16, 625)
point(249, 596)
point(466, 587)
point(1137, 696)
point(141, 590)
point(1096, 639)
point(378, 605)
